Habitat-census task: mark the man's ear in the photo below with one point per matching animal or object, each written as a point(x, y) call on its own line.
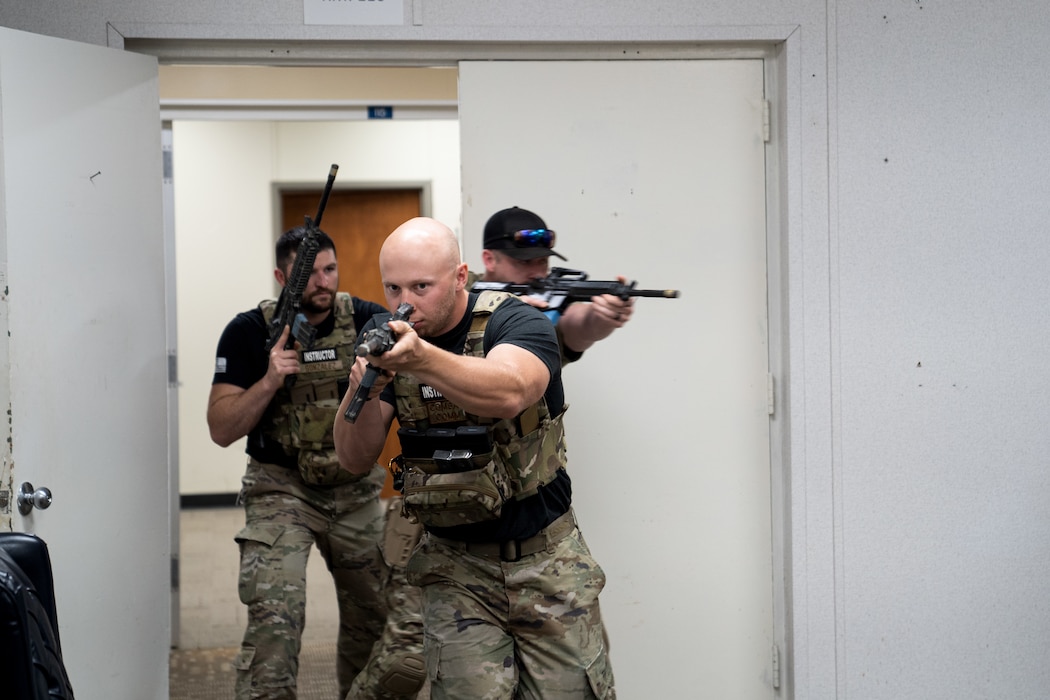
point(462, 272)
point(488, 258)
point(278, 274)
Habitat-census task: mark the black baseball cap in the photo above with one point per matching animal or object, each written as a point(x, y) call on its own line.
point(520, 234)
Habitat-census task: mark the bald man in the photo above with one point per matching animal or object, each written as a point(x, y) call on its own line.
point(509, 588)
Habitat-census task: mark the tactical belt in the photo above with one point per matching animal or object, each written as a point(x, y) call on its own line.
point(513, 550)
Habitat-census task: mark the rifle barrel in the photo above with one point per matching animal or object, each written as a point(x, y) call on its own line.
point(324, 195)
point(623, 291)
point(663, 293)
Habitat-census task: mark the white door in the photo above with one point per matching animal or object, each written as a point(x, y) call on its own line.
point(654, 170)
point(84, 365)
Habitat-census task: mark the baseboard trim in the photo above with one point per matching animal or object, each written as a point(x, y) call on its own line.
point(207, 500)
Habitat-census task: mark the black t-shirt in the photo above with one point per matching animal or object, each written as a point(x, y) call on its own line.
point(241, 359)
point(519, 324)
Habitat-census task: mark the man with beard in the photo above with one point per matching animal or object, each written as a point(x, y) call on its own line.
point(293, 492)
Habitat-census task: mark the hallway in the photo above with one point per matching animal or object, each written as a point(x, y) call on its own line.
point(212, 618)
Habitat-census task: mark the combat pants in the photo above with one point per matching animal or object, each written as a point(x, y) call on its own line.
point(284, 518)
point(396, 669)
point(528, 629)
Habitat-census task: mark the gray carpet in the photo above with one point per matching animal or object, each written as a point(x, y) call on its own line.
point(206, 674)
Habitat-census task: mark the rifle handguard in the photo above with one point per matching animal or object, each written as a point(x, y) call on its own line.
point(564, 286)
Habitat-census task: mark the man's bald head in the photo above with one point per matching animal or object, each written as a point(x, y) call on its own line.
point(422, 238)
point(420, 264)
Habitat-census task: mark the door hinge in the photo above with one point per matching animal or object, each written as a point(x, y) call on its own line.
point(771, 395)
point(766, 107)
point(167, 169)
point(776, 667)
point(173, 368)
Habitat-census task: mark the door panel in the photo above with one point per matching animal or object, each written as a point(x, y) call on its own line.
point(654, 170)
point(84, 372)
point(358, 221)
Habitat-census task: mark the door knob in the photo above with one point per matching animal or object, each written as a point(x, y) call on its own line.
point(29, 498)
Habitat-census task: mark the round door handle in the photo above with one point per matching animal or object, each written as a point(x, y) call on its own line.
point(29, 498)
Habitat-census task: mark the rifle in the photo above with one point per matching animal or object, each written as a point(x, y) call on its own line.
point(564, 286)
point(374, 342)
point(291, 298)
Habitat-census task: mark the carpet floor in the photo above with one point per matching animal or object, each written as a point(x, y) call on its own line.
point(206, 674)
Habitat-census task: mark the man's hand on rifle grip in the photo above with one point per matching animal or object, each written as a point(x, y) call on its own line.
point(283, 362)
point(357, 373)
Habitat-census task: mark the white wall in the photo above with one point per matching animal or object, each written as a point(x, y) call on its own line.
point(224, 173)
point(940, 288)
point(912, 139)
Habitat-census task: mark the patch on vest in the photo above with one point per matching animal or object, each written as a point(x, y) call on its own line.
point(440, 409)
point(322, 360)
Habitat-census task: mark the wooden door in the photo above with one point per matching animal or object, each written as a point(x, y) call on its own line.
point(358, 221)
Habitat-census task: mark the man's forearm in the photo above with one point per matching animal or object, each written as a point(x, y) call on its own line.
point(232, 415)
point(500, 385)
point(359, 444)
point(583, 324)
point(581, 327)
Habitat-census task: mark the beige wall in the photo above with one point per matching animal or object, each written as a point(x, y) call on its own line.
point(306, 83)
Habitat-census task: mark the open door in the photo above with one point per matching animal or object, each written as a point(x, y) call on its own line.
point(358, 221)
point(83, 360)
point(654, 170)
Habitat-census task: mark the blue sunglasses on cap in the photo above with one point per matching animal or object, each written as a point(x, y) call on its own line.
point(532, 238)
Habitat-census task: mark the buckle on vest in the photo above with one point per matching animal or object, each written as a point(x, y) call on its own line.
point(509, 551)
point(451, 461)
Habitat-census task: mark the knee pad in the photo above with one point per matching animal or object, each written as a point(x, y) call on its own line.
point(406, 676)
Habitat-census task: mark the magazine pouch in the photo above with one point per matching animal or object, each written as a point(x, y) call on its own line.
point(460, 480)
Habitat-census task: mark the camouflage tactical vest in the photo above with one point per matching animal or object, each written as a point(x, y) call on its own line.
point(302, 418)
point(528, 449)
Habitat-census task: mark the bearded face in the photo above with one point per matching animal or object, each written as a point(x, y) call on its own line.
point(319, 295)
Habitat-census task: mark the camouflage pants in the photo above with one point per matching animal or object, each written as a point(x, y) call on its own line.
point(529, 629)
point(284, 518)
point(396, 669)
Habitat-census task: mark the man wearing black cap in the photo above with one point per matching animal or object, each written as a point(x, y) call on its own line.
point(516, 249)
